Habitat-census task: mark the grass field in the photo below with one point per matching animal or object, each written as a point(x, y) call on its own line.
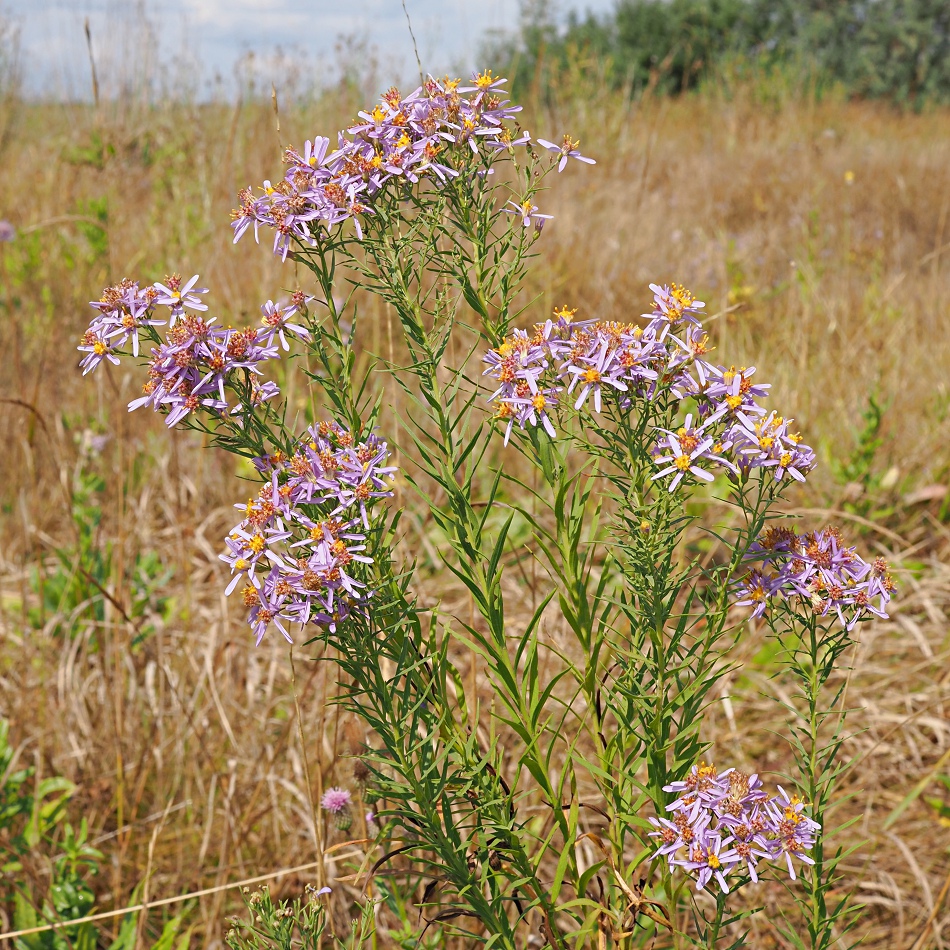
point(817, 232)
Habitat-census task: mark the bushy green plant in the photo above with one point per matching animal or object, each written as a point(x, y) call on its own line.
point(575, 803)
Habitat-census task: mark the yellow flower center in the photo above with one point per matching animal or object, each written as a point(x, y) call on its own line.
point(681, 295)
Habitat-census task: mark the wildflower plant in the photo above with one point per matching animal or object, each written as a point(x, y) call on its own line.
point(577, 804)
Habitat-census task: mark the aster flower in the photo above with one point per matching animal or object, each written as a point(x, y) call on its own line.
point(535, 410)
point(684, 461)
point(179, 297)
point(754, 591)
point(194, 366)
point(765, 442)
point(528, 212)
point(483, 82)
point(794, 831)
point(567, 149)
point(734, 392)
point(677, 835)
point(692, 346)
point(508, 142)
point(276, 320)
point(703, 787)
point(97, 348)
point(259, 394)
point(265, 608)
point(123, 312)
point(749, 841)
point(593, 371)
point(710, 859)
point(674, 305)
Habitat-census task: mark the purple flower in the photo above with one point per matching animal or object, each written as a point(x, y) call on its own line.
point(710, 858)
point(178, 297)
point(704, 786)
point(673, 305)
point(335, 800)
point(676, 835)
point(735, 391)
point(277, 319)
point(534, 410)
point(754, 591)
point(194, 366)
point(600, 367)
point(683, 458)
point(567, 149)
point(767, 443)
point(528, 213)
point(794, 831)
point(484, 82)
point(97, 348)
point(7, 232)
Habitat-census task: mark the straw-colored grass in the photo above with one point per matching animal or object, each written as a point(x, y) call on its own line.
point(818, 232)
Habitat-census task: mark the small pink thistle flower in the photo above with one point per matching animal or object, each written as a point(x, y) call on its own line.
point(335, 800)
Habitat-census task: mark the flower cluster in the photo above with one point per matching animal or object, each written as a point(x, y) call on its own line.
point(725, 822)
point(580, 361)
point(432, 133)
point(818, 568)
point(195, 362)
point(123, 312)
point(300, 544)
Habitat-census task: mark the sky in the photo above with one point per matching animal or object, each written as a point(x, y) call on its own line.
point(191, 42)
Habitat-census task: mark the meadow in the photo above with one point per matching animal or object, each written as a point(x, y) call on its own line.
point(817, 231)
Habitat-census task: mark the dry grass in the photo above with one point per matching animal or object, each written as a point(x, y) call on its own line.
point(185, 747)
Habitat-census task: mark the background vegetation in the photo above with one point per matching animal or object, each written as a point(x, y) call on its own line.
point(815, 226)
point(880, 49)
